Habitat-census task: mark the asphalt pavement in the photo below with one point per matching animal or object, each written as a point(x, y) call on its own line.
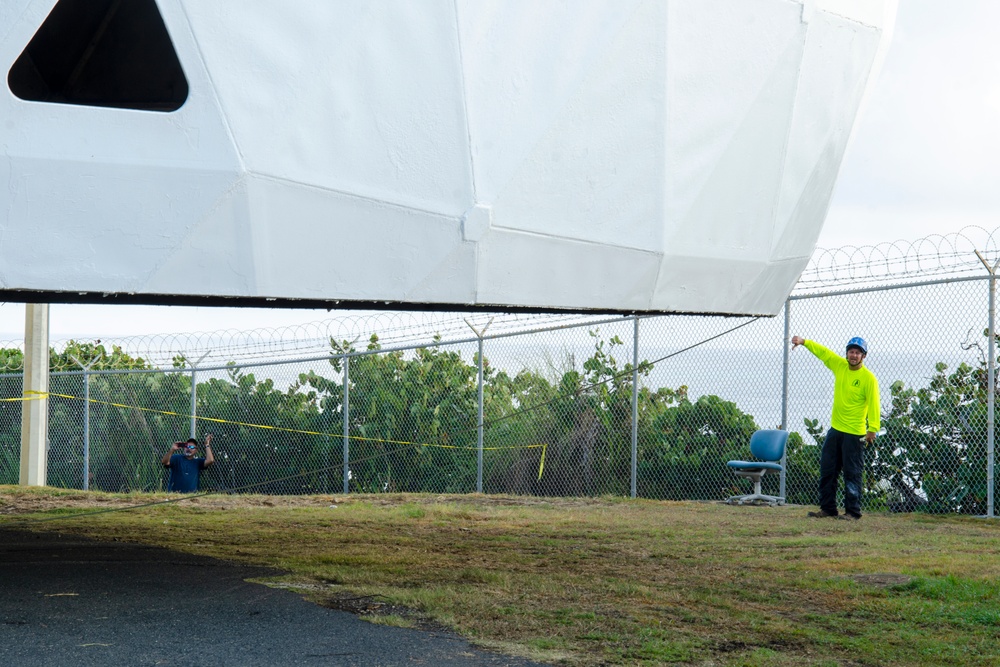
point(66, 600)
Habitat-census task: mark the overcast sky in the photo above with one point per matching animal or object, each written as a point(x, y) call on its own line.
point(925, 159)
point(925, 156)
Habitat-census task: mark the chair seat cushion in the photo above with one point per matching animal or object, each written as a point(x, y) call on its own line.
point(754, 465)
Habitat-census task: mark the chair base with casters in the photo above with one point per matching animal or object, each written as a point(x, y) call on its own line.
point(769, 446)
point(755, 473)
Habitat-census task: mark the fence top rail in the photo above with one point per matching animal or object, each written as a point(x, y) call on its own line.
point(885, 288)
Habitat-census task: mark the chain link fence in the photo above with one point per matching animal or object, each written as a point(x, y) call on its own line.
point(549, 408)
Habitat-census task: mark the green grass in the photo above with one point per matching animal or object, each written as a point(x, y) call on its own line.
point(600, 581)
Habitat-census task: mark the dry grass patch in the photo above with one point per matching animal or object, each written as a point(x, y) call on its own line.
point(601, 581)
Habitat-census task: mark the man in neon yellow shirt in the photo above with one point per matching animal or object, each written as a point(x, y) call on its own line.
point(853, 424)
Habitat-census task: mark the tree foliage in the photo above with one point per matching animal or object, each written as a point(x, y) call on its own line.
point(933, 454)
point(413, 426)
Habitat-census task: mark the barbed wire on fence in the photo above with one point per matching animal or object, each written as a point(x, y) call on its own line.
point(393, 328)
point(934, 256)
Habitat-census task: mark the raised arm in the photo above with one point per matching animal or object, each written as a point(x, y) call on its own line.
point(209, 456)
point(170, 452)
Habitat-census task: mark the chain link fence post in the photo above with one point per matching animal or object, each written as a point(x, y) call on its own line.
point(194, 395)
point(635, 404)
point(784, 394)
point(479, 405)
point(479, 423)
point(347, 424)
point(990, 383)
point(991, 396)
point(86, 417)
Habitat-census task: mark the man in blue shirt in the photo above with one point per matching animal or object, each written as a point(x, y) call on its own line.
point(185, 467)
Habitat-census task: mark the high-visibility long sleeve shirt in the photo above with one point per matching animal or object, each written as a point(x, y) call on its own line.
point(856, 407)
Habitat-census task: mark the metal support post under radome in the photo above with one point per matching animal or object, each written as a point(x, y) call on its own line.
point(991, 392)
point(35, 407)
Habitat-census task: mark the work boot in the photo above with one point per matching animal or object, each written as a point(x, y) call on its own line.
point(823, 514)
point(849, 517)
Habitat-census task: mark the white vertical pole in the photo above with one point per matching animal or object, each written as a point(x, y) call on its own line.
point(35, 409)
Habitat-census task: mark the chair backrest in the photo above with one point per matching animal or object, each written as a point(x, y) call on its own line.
point(768, 444)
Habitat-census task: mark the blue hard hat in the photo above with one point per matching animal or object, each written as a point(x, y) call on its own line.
point(859, 343)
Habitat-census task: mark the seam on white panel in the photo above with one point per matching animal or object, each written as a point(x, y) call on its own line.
point(214, 89)
point(468, 139)
point(355, 196)
point(523, 232)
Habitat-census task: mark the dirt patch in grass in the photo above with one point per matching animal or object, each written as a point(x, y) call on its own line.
point(882, 579)
point(366, 606)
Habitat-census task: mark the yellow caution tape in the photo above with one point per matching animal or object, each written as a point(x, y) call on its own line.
point(37, 395)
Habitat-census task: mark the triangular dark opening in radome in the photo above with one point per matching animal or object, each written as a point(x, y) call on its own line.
point(103, 53)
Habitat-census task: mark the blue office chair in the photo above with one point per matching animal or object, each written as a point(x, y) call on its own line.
point(768, 445)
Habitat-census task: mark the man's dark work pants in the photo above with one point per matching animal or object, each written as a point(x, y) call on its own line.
point(841, 451)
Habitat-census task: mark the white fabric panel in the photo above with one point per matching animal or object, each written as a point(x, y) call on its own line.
point(453, 277)
point(523, 60)
point(18, 21)
point(596, 173)
point(311, 243)
point(355, 96)
point(653, 155)
point(217, 255)
point(76, 235)
point(767, 292)
point(682, 284)
point(331, 246)
point(835, 67)
point(873, 13)
point(537, 270)
point(725, 158)
point(96, 198)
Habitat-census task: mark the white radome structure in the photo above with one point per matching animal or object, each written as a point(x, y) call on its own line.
point(611, 155)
